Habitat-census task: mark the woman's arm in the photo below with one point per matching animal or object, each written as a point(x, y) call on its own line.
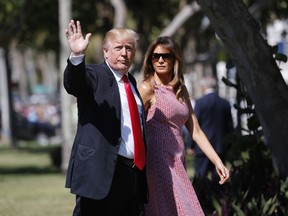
point(147, 94)
point(200, 138)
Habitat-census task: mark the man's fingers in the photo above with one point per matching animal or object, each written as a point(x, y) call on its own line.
point(74, 30)
point(79, 27)
point(70, 28)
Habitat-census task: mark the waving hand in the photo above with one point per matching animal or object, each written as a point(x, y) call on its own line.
point(77, 42)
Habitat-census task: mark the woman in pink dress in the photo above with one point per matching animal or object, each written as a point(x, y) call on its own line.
point(168, 108)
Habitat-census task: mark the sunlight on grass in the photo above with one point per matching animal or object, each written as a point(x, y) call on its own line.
point(30, 186)
point(34, 195)
point(17, 158)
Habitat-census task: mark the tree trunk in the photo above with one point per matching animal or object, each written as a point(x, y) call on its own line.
point(120, 13)
point(4, 110)
point(9, 109)
point(68, 125)
point(186, 12)
point(257, 68)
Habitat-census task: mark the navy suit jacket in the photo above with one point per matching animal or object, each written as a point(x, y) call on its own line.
point(214, 116)
point(97, 141)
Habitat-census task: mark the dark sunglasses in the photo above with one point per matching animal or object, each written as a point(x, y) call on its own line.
point(165, 56)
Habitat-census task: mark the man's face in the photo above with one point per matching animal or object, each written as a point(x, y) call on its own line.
point(120, 54)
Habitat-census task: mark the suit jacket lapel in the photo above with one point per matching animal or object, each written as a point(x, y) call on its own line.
point(115, 90)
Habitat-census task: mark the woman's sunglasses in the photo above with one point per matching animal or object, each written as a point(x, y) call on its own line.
point(165, 56)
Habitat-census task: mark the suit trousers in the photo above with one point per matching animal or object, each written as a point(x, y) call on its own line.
point(125, 197)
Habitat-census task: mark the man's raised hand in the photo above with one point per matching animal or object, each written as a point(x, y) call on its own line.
point(77, 42)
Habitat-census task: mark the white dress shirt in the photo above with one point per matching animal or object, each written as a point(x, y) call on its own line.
point(127, 142)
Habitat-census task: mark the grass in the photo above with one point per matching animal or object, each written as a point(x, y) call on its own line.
point(190, 165)
point(30, 185)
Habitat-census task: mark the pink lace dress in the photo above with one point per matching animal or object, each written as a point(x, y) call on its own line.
point(170, 190)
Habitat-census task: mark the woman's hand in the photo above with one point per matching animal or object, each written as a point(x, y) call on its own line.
point(77, 42)
point(223, 172)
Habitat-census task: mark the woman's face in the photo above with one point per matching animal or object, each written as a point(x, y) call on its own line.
point(162, 60)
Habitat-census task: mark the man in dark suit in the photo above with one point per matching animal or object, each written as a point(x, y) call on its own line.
point(101, 171)
point(214, 116)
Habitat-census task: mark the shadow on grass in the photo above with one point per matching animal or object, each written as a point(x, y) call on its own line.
point(37, 149)
point(54, 153)
point(29, 170)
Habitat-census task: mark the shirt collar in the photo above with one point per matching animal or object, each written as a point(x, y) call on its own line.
point(118, 76)
point(209, 90)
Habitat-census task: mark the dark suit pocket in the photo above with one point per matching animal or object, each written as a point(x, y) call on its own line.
point(85, 152)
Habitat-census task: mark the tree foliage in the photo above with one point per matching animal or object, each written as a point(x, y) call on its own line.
point(32, 23)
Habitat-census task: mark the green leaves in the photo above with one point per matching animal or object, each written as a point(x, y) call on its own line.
point(280, 57)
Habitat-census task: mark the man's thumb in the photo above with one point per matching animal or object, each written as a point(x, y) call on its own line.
point(87, 37)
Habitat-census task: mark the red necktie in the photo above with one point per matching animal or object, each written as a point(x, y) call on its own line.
point(139, 148)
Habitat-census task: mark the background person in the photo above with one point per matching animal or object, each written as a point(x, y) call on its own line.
point(101, 170)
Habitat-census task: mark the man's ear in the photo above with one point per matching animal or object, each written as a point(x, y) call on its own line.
point(105, 53)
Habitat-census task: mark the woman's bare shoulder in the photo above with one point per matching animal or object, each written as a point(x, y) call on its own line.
point(146, 87)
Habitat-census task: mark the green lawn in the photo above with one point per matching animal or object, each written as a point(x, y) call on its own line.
point(30, 185)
